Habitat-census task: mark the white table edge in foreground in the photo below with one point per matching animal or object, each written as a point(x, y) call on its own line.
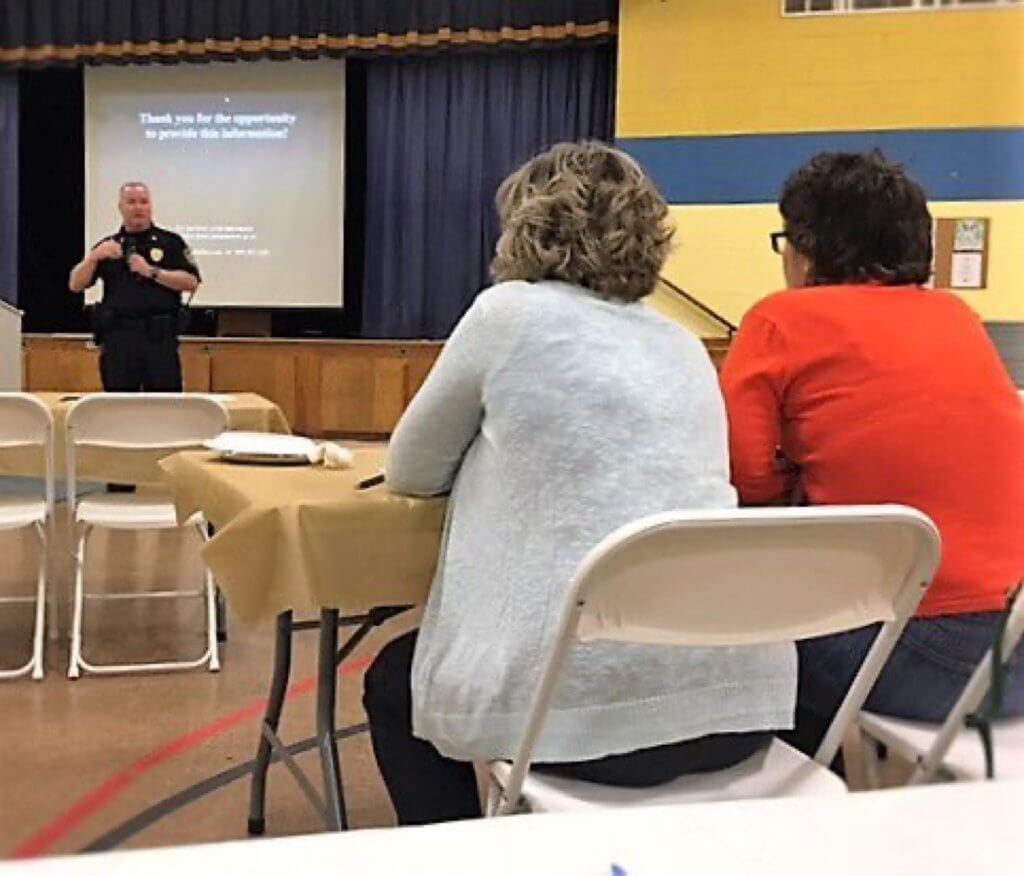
point(950, 829)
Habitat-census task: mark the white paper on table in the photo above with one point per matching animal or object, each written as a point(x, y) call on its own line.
point(270, 447)
point(264, 445)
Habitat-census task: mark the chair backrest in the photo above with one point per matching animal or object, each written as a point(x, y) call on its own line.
point(753, 576)
point(140, 421)
point(145, 420)
point(24, 421)
point(970, 700)
point(744, 577)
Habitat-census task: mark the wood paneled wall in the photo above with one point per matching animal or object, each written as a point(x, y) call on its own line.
point(356, 388)
point(717, 348)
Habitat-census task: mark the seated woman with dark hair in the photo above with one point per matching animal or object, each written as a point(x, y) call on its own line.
point(560, 409)
point(877, 390)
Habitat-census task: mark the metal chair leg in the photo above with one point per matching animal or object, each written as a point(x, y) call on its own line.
point(212, 643)
point(326, 694)
point(869, 752)
point(77, 606)
point(39, 633)
point(52, 600)
point(222, 615)
point(34, 666)
point(212, 638)
point(79, 665)
point(221, 605)
point(271, 719)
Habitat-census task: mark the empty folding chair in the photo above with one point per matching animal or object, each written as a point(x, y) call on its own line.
point(953, 748)
point(732, 577)
point(130, 423)
point(26, 421)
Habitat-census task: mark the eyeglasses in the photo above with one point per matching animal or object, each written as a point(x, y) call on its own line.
point(776, 238)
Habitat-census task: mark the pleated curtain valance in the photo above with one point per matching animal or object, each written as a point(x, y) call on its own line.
point(42, 32)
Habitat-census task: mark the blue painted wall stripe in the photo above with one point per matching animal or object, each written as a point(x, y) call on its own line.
point(953, 165)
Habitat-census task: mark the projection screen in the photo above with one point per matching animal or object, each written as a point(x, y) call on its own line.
point(244, 160)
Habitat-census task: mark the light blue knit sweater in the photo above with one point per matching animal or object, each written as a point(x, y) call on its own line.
point(554, 417)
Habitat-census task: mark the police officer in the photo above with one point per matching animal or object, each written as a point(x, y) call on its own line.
point(145, 271)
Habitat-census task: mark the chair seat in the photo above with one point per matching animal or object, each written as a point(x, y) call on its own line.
point(966, 756)
point(127, 511)
point(778, 771)
point(18, 511)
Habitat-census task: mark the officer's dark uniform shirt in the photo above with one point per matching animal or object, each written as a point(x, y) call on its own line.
point(128, 294)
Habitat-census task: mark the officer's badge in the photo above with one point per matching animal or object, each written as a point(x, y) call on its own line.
point(156, 254)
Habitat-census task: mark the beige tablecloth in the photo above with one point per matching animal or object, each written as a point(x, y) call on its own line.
point(304, 538)
point(246, 412)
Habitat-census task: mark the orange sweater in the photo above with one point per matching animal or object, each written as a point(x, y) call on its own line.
point(886, 394)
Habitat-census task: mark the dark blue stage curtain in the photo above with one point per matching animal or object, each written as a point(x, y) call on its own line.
point(34, 32)
point(442, 132)
point(9, 187)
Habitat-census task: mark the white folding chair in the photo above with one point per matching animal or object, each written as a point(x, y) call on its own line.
point(26, 421)
point(732, 577)
point(951, 748)
point(133, 422)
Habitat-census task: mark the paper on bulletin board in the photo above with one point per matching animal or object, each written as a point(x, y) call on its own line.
point(967, 270)
point(969, 235)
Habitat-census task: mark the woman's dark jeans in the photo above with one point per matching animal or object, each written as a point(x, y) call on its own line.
point(922, 680)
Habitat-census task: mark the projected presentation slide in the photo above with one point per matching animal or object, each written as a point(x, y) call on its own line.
point(245, 161)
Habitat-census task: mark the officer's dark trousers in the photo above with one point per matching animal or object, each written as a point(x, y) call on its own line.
point(425, 786)
point(136, 358)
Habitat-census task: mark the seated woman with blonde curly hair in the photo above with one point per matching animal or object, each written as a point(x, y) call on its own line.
point(560, 409)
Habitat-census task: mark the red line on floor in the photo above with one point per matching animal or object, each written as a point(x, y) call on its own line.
point(89, 804)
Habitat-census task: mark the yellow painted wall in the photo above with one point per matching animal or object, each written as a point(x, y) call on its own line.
point(738, 66)
point(712, 67)
point(675, 308)
point(722, 256)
